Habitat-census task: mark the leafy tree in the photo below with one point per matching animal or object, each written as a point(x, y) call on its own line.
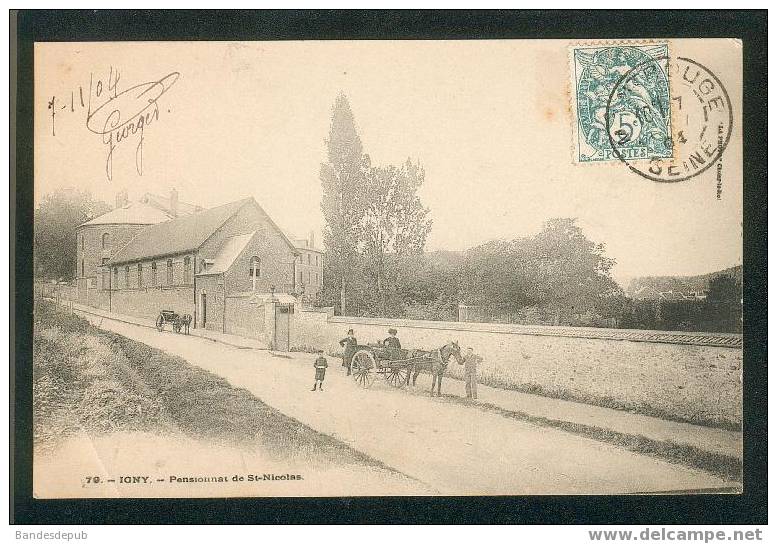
point(494, 274)
point(569, 273)
point(723, 308)
point(55, 222)
point(395, 223)
point(342, 178)
point(724, 288)
point(557, 270)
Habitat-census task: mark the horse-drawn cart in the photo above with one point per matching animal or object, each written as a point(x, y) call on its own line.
point(178, 321)
point(397, 365)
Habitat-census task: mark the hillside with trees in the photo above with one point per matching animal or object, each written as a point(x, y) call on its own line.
point(681, 284)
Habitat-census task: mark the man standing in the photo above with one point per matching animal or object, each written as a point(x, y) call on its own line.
point(349, 343)
point(471, 361)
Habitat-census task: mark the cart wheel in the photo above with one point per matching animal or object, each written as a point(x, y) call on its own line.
point(160, 323)
point(363, 368)
point(177, 327)
point(397, 375)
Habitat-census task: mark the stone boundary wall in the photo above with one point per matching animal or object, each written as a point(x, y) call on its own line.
point(694, 377)
point(729, 340)
point(148, 302)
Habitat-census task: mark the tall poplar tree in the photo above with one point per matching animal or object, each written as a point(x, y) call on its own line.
point(342, 178)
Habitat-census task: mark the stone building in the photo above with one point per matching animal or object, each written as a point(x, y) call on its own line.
point(99, 239)
point(206, 264)
point(309, 269)
point(230, 267)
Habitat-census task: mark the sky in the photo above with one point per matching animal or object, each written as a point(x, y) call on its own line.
point(490, 121)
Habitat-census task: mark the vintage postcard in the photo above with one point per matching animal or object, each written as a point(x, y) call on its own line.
point(349, 268)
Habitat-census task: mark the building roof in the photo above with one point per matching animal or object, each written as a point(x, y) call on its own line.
point(134, 213)
point(305, 244)
point(178, 235)
point(163, 203)
point(228, 251)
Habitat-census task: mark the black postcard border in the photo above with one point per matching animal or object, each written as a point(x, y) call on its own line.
point(28, 26)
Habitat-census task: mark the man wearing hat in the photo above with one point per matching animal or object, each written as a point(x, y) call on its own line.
point(349, 343)
point(470, 363)
point(393, 343)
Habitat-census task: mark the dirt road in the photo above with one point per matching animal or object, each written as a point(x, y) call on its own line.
point(454, 449)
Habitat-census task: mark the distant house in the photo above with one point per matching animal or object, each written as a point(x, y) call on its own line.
point(650, 293)
point(697, 295)
point(671, 296)
point(309, 275)
point(646, 293)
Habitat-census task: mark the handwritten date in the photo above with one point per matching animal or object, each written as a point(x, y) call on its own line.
point(118, 115)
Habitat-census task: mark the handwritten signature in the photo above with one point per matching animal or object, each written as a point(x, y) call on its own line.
point(122, 115)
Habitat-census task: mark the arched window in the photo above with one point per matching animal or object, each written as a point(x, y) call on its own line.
point(140, 275)
point(187, 270)
point(106, 240)
point(82, 265)
point(169, 271)
point(254, 271)
point(153, 274)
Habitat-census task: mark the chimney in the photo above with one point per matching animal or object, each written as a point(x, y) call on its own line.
point(174, 202)
point(122, 199)
point(312, 240)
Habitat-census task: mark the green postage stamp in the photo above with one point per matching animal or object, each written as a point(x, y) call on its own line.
point(621, 102)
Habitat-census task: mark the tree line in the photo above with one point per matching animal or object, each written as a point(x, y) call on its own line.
point(376, 228)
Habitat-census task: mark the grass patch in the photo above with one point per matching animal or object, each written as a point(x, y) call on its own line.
point(88, 379)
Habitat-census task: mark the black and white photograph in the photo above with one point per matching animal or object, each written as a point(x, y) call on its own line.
point(388, 268)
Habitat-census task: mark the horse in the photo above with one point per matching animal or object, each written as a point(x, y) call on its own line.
point(187, 321)
point(440, 358)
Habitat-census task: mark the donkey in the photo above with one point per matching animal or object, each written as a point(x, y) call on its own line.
point(439, 362)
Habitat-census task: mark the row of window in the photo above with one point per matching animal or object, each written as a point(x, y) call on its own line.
point(156, 275)
point(314, 276)
point(310, 261)
point(105, 241)
point(254, 273)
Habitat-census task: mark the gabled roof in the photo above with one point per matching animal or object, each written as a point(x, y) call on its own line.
point(163, 203)
point(134, 213)
point(301, 243)
point(178, 235)
point(228, 251)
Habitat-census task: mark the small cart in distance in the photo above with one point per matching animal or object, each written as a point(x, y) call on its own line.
point(178, 321)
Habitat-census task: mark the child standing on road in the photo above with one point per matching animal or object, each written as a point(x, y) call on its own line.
point(320, 366)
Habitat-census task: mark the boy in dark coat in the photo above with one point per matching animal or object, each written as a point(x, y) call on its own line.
point(320, 366)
